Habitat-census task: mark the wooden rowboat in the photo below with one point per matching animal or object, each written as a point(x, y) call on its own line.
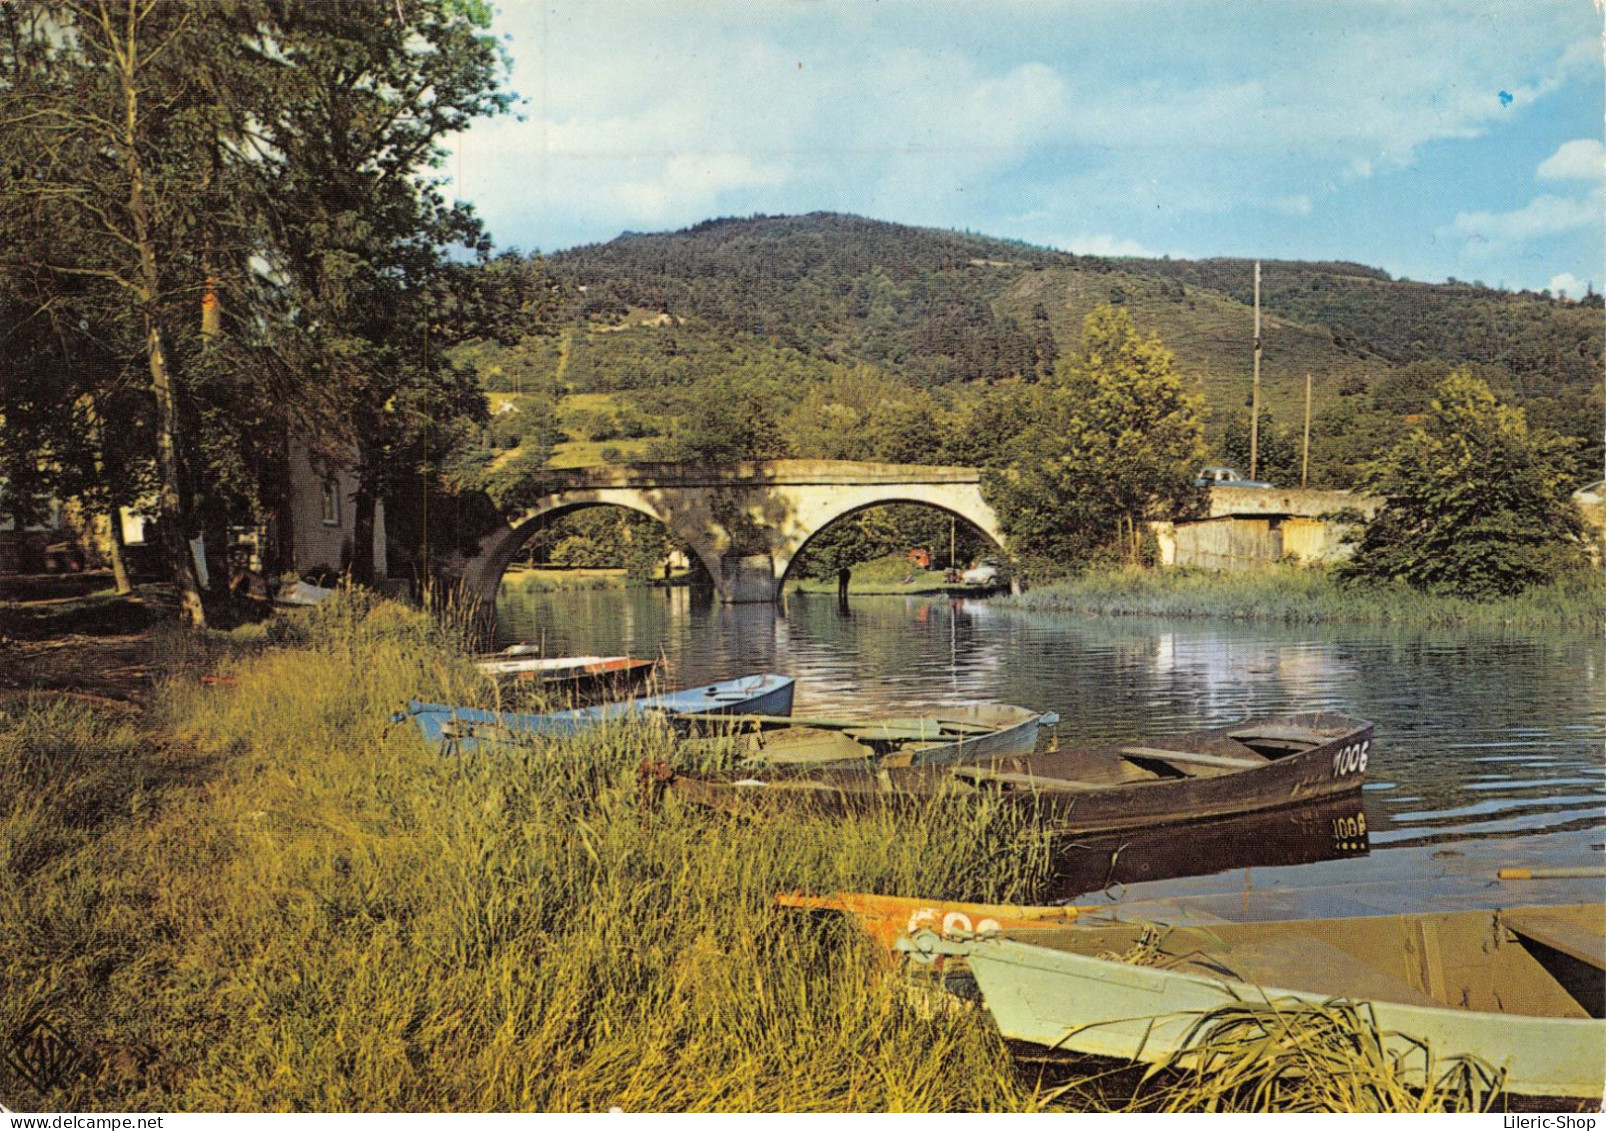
point(958, 734)
point(461, 730)
point(1248, 767)
point(569, 680)
point(563, 669)
point(1521, 990)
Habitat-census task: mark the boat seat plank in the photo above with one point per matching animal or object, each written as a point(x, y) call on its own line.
point(1192, 758)
point(1278, 734)
point(982, 775)
point(1572, 938)
point(1299, 961)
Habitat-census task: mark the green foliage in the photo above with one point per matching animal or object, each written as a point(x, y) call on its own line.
point(235, 200)
point(1476, 504)
point(727, 420)
point(1112, 442)
point(1277, 455)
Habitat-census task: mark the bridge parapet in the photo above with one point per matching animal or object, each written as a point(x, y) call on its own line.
point(781, 472)
point(1228, 501)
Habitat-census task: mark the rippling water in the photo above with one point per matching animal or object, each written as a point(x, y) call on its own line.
point(1489, 746)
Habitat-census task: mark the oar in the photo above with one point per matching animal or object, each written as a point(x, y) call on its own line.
point(1588, 872)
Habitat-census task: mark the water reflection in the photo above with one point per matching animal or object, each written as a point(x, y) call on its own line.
point(1479, 735)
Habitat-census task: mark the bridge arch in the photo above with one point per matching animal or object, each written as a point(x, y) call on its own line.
point(483, 575)
point(745, 522)
point(976, 518)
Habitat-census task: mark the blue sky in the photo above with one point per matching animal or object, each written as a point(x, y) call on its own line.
point(1432, 139)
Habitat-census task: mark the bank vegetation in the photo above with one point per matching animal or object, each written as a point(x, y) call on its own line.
point(253, 893)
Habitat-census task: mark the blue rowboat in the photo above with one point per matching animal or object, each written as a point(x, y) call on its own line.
point(461, 730)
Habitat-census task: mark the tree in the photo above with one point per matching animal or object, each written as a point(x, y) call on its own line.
point(239, 191)
point(102, 108)
point(1112, 443)
point(1277, 454)
point(344, 133)
point(1475, 503)
point(727, 420)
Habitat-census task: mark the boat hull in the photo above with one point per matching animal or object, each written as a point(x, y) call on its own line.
point(1063, 790)
point(463, 730)
point(1062, 997)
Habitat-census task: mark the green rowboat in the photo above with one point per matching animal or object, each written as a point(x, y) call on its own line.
point(1521, 990)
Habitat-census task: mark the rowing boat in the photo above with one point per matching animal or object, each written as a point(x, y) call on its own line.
point(1520, 990)
point(563, 669)
point(1251, 766)
point(959, 734)
point(461, 730)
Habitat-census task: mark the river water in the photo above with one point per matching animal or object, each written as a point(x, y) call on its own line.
point(1488, 750)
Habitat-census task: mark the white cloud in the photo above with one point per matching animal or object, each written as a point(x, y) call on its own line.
point(1124, 122)
point(1103, 243)
point(1487, 232)
point(1569, 284)
point(1584, 160)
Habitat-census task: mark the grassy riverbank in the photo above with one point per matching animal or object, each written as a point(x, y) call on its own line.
point(893, 575)
point(1305, 595)
point(253, 894)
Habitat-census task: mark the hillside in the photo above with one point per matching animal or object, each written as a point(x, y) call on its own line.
point(801, 300)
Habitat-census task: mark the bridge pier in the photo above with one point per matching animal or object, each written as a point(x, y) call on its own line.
point(747, 579)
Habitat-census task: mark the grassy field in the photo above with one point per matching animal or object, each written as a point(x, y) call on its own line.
point(550, 580)
point(256, 894)
point(588, 453)
point(1303, 595)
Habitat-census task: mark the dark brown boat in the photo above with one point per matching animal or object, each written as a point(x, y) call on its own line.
point(1332, 828)
point(1251, 766)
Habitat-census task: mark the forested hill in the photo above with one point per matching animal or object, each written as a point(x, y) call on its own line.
point(938, 306)
point(828, 323)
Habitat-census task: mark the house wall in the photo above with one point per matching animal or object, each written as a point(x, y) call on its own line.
point(322, 525)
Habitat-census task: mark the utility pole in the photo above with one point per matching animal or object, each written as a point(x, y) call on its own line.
point(1254, 398)
point(1304, 466)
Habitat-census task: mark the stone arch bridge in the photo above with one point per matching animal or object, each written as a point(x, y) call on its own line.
point(746, 522)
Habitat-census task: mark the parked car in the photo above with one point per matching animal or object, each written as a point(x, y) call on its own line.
point(1225, 477)
point(986, 572)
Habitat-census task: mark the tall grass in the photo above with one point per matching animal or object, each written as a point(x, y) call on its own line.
point(1298, 595)
point(285, 905)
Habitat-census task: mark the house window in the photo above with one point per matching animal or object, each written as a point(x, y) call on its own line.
point(331, 502)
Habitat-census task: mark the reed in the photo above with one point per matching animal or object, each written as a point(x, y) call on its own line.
point(1309, 595)
point(260, 896)
point(1303, 1056)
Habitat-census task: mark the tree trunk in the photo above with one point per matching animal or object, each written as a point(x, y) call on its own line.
point(168, 427)
point(362, 537)
point(115, 551)
point(174, 527)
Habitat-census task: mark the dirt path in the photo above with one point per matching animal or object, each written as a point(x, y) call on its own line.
point(118, 668)
point(75, 637)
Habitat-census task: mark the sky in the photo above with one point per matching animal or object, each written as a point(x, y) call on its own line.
point(1451, 138)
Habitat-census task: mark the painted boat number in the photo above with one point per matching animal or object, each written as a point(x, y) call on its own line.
point(954, 922)
point(1351, 759)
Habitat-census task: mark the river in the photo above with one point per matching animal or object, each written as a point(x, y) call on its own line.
point(1488, 751)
